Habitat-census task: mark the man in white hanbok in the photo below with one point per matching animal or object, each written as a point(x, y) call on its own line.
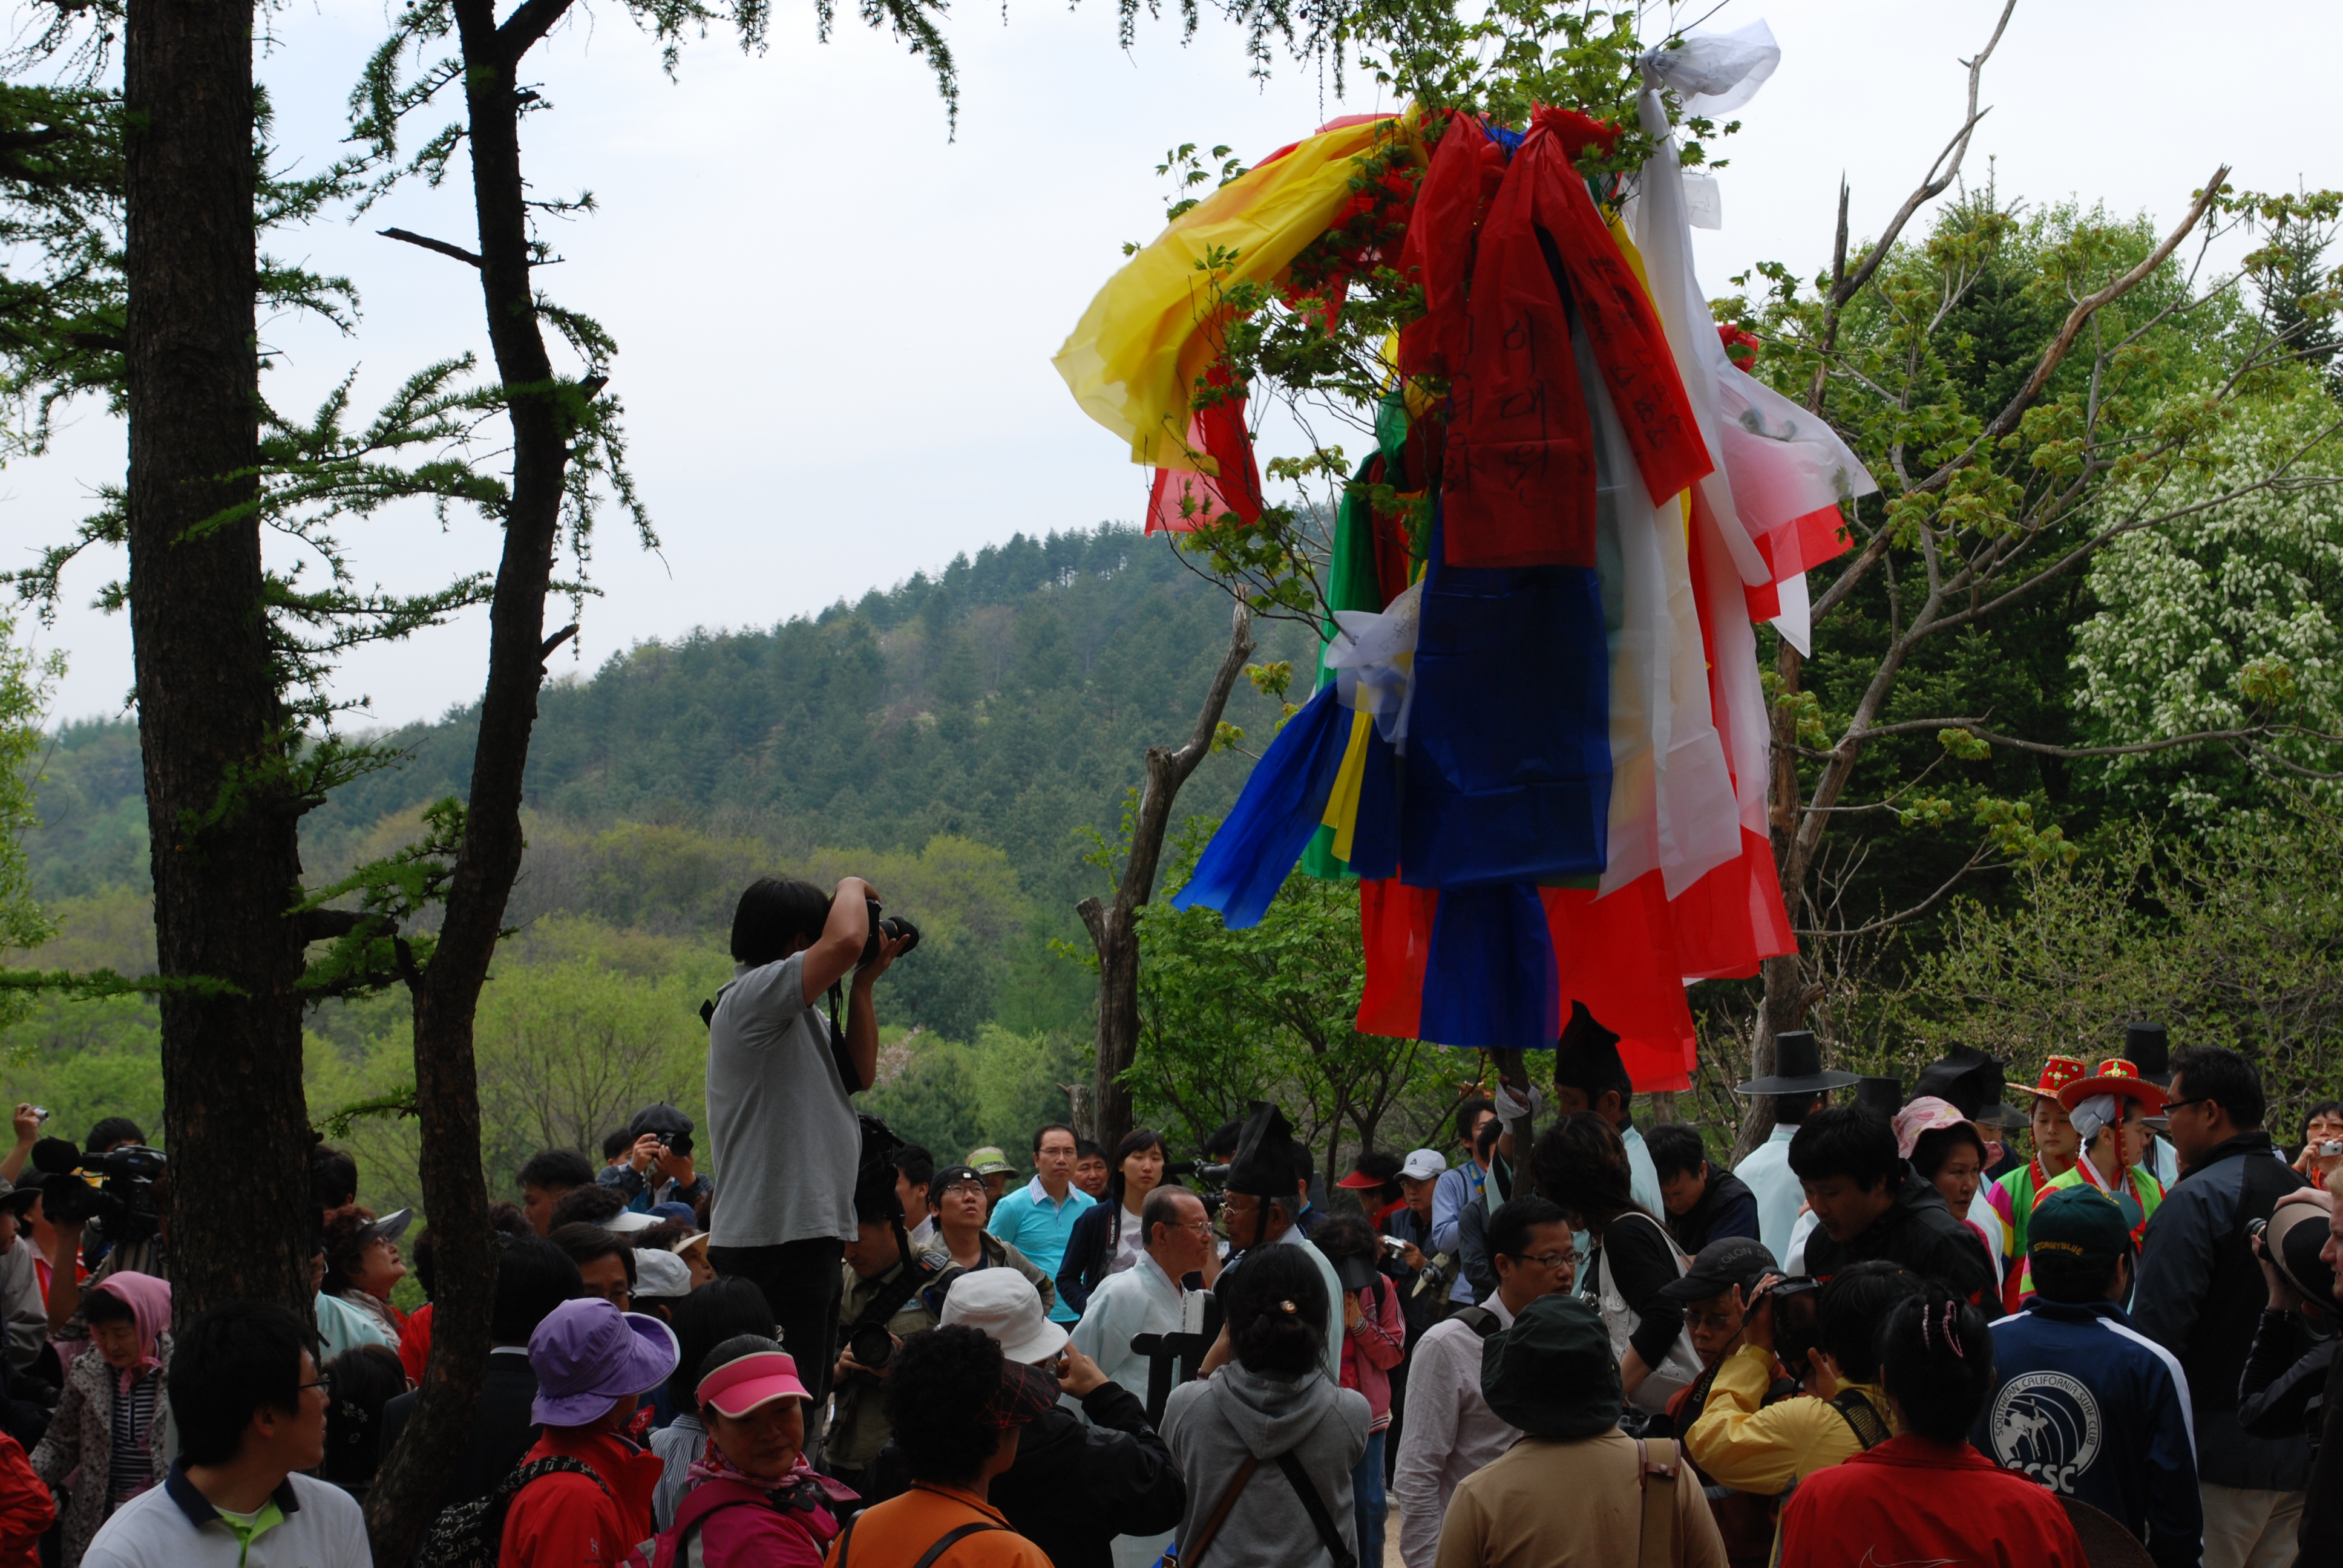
point(1144, 1298)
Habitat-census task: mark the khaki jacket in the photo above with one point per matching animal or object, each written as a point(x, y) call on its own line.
point(1573, 1504)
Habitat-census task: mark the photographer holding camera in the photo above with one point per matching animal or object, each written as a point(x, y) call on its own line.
point(656, 1165)
point(896, 1293)
point(779, 1120)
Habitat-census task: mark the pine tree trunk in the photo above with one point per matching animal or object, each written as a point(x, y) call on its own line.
point(212, 731)
point(446, 1084)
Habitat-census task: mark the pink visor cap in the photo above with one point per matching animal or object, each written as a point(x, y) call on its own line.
point(744, 1383)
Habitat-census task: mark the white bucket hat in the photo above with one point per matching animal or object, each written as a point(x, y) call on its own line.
point(1005, 1306)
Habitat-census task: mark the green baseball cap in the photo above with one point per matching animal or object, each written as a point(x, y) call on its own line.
point(2074, 1236)
point(989, 1161)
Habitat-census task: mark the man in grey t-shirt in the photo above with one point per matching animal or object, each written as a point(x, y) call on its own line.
point(782, 1129)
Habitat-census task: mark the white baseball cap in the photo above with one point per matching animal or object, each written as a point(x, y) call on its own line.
point(660, 1275)
point(1003, 1305)
point(1423, 1165)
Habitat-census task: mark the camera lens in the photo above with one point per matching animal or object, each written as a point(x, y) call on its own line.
point(872, 1346)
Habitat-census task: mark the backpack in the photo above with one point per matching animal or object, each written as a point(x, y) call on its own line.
point(1861, 1418)
point(471, 1534)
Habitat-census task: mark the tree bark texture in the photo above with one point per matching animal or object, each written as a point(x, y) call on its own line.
point(212, 731)
point(1114, 928)
point(447, 993)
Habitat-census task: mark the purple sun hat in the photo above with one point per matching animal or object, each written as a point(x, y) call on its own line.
point(588, 1355)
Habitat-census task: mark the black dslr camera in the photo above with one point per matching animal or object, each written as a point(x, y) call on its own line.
point(124, 1200)
point(887, 928)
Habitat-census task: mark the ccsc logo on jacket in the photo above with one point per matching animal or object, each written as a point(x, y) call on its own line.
point(2046, 1425)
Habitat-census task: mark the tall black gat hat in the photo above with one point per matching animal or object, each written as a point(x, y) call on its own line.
point(2148, 1047)
point(1264, 1166)
point(1885, 1095)
point(1797, 1068)
point(1587, 1057)
point(1971, 1081)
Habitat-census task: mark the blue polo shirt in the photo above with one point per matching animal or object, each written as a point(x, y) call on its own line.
point(1039, 1226)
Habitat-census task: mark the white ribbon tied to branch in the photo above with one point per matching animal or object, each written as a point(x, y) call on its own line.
point(1373, 656)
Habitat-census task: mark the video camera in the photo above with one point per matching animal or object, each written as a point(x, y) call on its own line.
point(123, 1201)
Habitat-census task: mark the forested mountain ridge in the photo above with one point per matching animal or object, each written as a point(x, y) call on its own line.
point(958, 738)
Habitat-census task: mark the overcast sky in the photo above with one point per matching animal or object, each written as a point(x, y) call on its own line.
point(836, 324)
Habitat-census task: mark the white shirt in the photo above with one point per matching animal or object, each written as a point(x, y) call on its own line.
point(1128, 1235)
point(1982, 1216)
point(1767, 1173)
point(1450, 1431)
point(158, 1529)
point(1642, 1176)
point(1142, 1299)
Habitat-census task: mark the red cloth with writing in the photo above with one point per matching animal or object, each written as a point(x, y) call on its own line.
point(1519, 476)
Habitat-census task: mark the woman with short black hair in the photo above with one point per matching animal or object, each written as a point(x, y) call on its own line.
point(1926, 1494)
point(1580, 1165)
point(1268, 1445)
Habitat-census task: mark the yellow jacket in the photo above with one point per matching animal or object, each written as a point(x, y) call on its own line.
point(1748, 1445)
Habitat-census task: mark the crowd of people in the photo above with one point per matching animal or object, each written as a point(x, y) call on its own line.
point(1890, 1333)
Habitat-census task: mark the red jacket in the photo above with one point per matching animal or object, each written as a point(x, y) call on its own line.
point(26, 1510)
point(1911, 1501)
point(566, 1520)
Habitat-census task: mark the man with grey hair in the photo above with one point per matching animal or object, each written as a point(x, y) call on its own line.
point(1144, 1298)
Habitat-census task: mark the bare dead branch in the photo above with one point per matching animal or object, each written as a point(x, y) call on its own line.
point(428, 243)
point(1889, 922)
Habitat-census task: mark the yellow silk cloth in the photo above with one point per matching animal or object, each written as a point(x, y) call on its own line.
point(1133, 358)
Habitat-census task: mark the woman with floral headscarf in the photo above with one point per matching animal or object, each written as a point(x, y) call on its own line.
point(112, 1427)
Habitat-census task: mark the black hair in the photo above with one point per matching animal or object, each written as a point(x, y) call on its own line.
point(228, 1363)
point(1935, 1360)
point(333, 1176)
point(1852, 1305)
point(592, 1204)
point(1088, 1148)
point(1508, 1230)
point(1795, 1109)
point(1137, 1140)
point(917, 1166)
point(1348, 1236)
point(420, 1264)
point(661, 1237)
point(1304, 1167)
point(726, 1352)
point(1277, 1312)
point(1486, 1139)
point(1048, 1126)
point(111, 1131)
point(719, 1310)
point(1847, 1141)
point(555, 1169)
point(1225, 1138)
point(773, 913)
point(615, 1143)
point(1934, 1147)
point(1383, 1167)
point(1581, 1164)
point(365, 1378)
point(1675, 1150)
point(106, 1307)
point(1467, 1112)
point(586, 1243)
point(533, 1277)
point(506, 1219)
point(2223, 1076)
point(939, 1390)
point(1161, 1207)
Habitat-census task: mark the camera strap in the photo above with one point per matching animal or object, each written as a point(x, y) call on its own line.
point(910, 1275)
point(839, 1053)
